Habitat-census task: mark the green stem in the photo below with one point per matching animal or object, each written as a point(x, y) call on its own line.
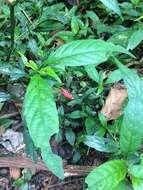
point(12, 23)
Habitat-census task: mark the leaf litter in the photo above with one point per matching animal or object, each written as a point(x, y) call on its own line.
point(112, 108)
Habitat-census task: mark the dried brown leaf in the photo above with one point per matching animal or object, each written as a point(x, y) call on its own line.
point(59, 42)
point(113, 104)
point(15, 173)
point(2, 130)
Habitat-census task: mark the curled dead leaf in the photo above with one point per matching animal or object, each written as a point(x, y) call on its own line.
point(2, 130)
point(59, 42)
point(15, 173)
point(113, 104)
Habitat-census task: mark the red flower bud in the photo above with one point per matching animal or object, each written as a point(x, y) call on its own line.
point(66, 93)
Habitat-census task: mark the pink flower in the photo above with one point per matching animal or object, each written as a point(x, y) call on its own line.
point(66, 93)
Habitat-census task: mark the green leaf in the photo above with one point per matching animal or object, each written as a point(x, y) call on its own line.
point(41, 118)
point(70, 136)
point(131, 133)
point(90, 124)
point(123, 185)
point(67, 36)
point(93, 16)
point(53, 162)
point(5, 123)
point(27, 174)
point(76, 157)
point(130, 10)
point(13, 72)
point(40, 111)
point(84, 52)
point(19, 182)
point(24, 186)
point(49, 25)
point(115, 76)
point(137, 183)
point(32, 45)
point(113, 5)
point(135, 1)
point(1, 105)
point(24, 59)
point(121, 37)
point(100, 82)
point(141, 159)
point(101, 144)
point(31, 64)
point(136, 171)
point(29, 148)
point(96, 23)
point(140, 18)
point(76, 114)
point(102, 119)
point(107, 176)
point(92, 72)
point(74, 25)
point(50, 72)
point(4, 96)
point(135, 39)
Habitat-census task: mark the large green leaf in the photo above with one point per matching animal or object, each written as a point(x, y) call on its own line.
point(100, 143)
point(90, 125)
point(115, 76)
point(113, 5)
point(92, 72)
point(53, 162)
point(123, 185)
point(137, 183)
point(70, 136)
point(131, 133)
point(13, 72)
point(136, 171)
point(132, 127)
point(107, 176)
point(121, 37)
point(84, 52)
point(135, 39)
point(41, 118)
point(135, 1)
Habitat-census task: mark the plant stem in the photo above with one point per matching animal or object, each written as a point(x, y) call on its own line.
point(12, 23)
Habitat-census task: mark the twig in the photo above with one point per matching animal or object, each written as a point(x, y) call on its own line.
point(21, 162)
point(9, 115)
point(26, 16)
point(18, 125)
point(74, 170)
point(78, 2)
point(65, 182)
point(25, 162)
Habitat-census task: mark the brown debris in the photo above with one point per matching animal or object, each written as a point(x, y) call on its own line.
point(15, 172)
point(59, 42)
point(113, 104)
point(2, 130)
point(25, 162)
point(4, 183)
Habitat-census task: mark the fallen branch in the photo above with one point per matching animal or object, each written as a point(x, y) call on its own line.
point(9, 115)
point(25, 162)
